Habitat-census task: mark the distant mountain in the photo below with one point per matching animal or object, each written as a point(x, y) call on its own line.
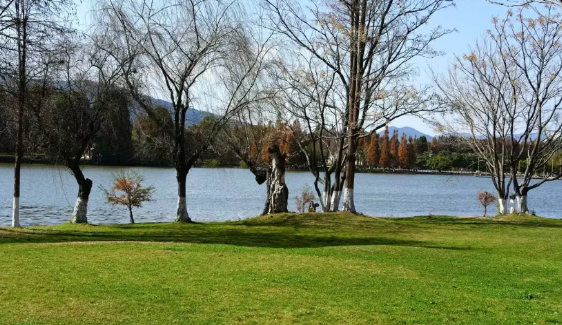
point(410, 132)
point(192, 116)
point(461, 134)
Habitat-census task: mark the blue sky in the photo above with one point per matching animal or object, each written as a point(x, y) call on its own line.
point(470, 18)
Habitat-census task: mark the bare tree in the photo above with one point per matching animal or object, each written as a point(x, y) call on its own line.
point(27, 31)
point(540, 7)
point(277, 192)
point(478, 90)
point(313, 96)
point(527, 3)
point(76, 97)
point(182, 46)
point(368, 45)
point(534, 48)
point(247, 136)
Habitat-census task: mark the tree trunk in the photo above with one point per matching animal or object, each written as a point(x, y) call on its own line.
point(17, 170)
point(522, 204)
point(131, 215)
point(17, 179)
point(335, 193)
point(348, 200)
point(261, 176)
point(325, 201)
point(22, 39)
point(339, 181)
point(357, 58)
point(268, 190)
point(325, 195)
point(321, 194)
point(181, 213)
point(335, 200)
point(502, 206)
point(79, 215)
point(278, 193)
point(16, 212)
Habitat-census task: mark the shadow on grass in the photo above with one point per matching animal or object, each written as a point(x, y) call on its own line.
point(233, 234)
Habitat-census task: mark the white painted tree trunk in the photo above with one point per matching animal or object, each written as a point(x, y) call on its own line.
point(79, 215)
point(522, 204)
point(324, 202)
point(16, 212)
point(335, 201)
point(502, 206)
point(181, 213)
point(348, 202)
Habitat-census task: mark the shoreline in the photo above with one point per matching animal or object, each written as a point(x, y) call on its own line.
point(42, 163)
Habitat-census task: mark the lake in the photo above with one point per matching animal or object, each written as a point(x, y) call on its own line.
point(48, 194)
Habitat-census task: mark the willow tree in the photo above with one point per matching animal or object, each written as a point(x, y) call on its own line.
point(188, 52)
point(251, 137)
point(369, 46)
point(77, 96)
point(28, 30)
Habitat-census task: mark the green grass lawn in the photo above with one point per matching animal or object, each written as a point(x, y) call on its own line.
point(287, 269)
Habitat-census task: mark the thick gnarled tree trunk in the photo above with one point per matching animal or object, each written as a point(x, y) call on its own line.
point(277, 191)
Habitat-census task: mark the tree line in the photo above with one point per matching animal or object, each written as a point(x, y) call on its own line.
point(285, 83)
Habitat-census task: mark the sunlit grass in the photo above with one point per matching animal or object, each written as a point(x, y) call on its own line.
point(285, 269)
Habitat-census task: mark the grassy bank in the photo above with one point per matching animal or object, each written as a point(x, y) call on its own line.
point(303, 269)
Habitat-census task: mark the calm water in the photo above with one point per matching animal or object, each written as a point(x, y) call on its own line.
point(48, 195)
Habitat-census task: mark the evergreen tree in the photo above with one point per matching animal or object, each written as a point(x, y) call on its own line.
point(421, 145)
point(411, 153)
point(385, 152)
point(403, 157)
